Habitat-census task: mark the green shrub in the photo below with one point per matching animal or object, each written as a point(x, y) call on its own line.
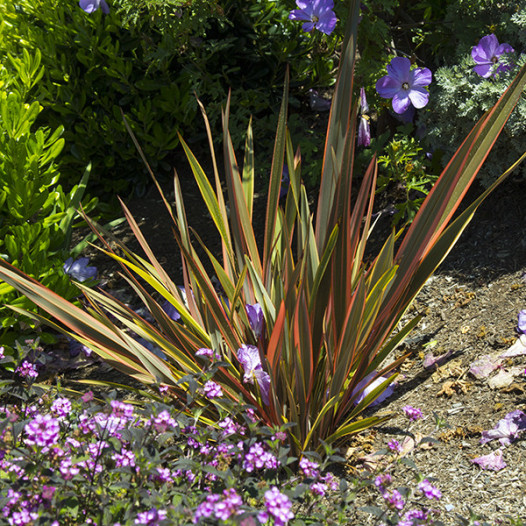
point(95, 69)
point(459, 95)
point(146, 60)
point(36, 214)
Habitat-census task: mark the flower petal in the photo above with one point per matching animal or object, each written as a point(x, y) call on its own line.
point(503, 48)
point(419, 97)
point(484, 70)
point(421, 77)
point(248, 356)
point(486, 49)
point(364, 132)
point(399, 69)
point(387, 87)
point(401, 101)
point(493, 461)
point(366, 389)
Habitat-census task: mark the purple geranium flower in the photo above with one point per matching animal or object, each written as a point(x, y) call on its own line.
point(404, 85)
point(278, 506)
point(318, 14)
point(212, 390)
point(90, 6)
point(413, 413)
point(430, 491)
point(42, 431)
point(79, 269)
point(521, 323)
point(248, 356)
point(487, 53)
point(367, 389)
point(171, 311)
point(364, 129)
point(493, 461)
point(255, 318)
point(507, 429)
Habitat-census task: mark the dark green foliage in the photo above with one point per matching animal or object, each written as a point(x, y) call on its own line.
point(148, 60)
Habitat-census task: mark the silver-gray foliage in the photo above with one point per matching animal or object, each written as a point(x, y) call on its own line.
point(459, 97)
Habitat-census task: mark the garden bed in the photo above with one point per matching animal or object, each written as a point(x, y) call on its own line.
point(469, 309)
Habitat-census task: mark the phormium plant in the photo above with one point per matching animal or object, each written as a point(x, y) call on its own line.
point(303, 323)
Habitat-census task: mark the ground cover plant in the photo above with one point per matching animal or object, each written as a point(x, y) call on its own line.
point(289, 343)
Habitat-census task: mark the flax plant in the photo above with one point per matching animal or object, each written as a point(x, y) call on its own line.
point(331, 319)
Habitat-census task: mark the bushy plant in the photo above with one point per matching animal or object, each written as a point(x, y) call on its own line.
point(146, 60)
point(80, 460)
point(36, 214)
point(460, 95)
point(301, 323)
point(404, 174)
point(95, 70)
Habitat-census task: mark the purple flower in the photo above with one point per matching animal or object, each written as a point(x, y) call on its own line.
point(309, 468)
point(507, 429)
point(413, 413)
point(318, 14)
point(258, 458)
point(87, 397)
point(206, 508)
point(394, 445)
point(209, 353)
point(151, 518)
point(79, 269)
point(162, 422)
point(125, 458)
point(279, 506)
point(411, 515)
point(319, 488)
point(486, 54)
point(212, 390)
point(430, 491)
point(90, 6)
point(121, 410)
point(317, 102)
point(404, 85)
point(42, 431)
point(381, 481)
point(248, 356)
point(171, 311)
point(364, 107)
point(229, 505)
point(61, 407)
point(255, 318)
point(75, 347)
point(285, 183)
point(521, 323)
point(394, 499)
point(367, 389)
point(364, 129)
point(2, 355)
point(27, 370)
point(493, 461)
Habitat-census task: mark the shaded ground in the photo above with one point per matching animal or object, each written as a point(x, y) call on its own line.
point(469, 309)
